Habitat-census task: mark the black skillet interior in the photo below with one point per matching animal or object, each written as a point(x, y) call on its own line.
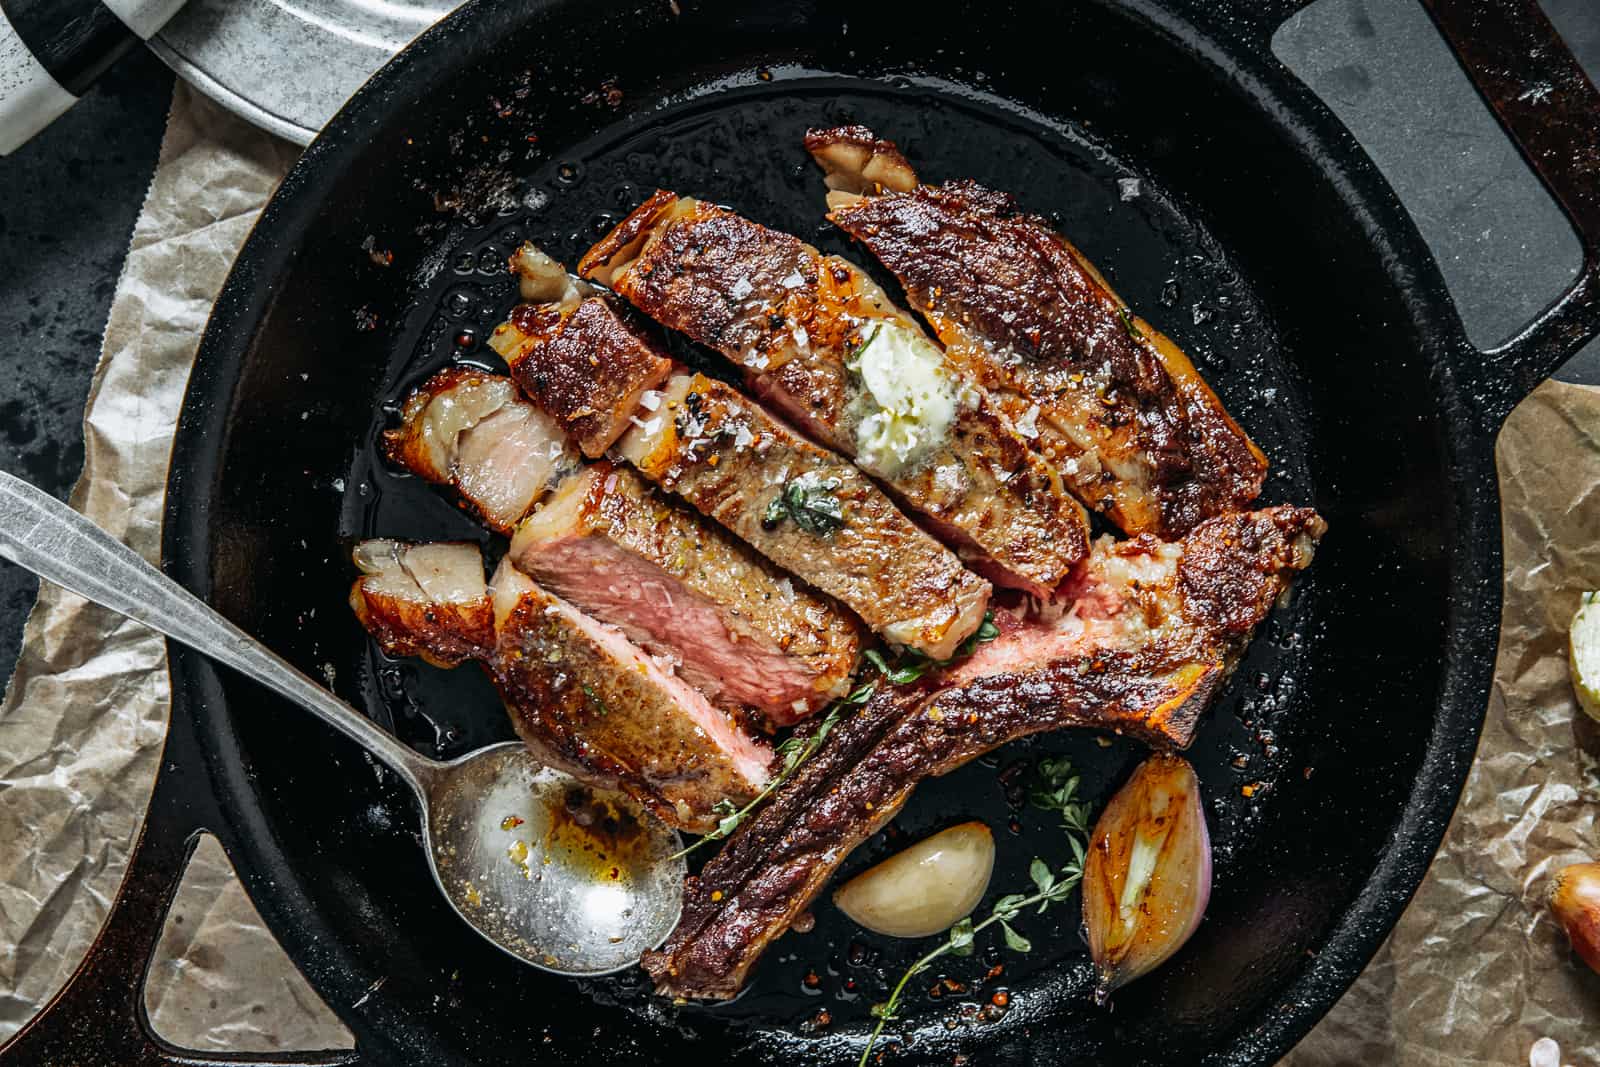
point(382, 259)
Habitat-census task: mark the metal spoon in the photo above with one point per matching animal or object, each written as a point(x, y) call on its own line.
point(571, 879)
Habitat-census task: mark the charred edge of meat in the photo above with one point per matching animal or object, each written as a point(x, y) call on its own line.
point(618, 248)
point(585, 367)
point(856, 160)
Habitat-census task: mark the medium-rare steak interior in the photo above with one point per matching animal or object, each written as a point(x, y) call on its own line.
point(1154, 631)
point(583, 697)
point(816, 338)
point(1118, 408)
point(688, 593)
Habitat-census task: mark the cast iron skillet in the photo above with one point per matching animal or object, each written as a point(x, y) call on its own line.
point(1261, 238)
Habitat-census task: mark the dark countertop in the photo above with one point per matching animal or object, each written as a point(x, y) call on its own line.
point(68, 201)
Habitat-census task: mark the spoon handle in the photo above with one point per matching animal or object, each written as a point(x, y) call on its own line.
point(48, 538)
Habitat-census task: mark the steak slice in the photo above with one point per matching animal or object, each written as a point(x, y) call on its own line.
point(1116, 407)
point(685, 590)
point(1143, 650)
point(468, 428)
point(739, 465)
point(587, 700)
point(593, 367)
point(424, 600)
point(579, 694)
point(819, 340)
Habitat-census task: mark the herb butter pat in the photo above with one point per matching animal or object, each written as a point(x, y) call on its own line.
point(907, 398)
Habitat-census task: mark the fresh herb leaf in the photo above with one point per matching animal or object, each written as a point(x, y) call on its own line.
point(1015, 941)
point(1128, 324)
point(1059, 785)
point(960, 940)
point(810, 501)
point(852, 358)
point(1039, 871)
point(913, 665)
point(594, 698)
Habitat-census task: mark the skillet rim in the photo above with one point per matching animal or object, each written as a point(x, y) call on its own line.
point(1236, 44)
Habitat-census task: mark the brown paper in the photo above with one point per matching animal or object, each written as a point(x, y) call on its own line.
point(1474, 973)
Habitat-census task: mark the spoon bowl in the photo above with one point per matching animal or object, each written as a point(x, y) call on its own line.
point(519, 847)
point(567, 877)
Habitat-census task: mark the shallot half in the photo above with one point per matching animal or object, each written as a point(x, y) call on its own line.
point(1575, 900)
point(1147, 878)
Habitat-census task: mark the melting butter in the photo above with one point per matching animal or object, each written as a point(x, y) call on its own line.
point(907, 398)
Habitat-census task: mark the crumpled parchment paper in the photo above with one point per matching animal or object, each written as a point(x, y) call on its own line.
point(1474, 973)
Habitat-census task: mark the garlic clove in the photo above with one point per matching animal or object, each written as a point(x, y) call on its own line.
point(924, 889)
point(1147, 877)
point(1575, 900)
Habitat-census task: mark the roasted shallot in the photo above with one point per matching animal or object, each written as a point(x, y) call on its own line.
point(1148, 876)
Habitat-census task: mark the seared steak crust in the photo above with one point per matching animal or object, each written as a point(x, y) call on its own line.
point(1120, 410)
point(1145, 649)
point(684, 589)
point(793, 319)
point(591, 369)
point(733, 461)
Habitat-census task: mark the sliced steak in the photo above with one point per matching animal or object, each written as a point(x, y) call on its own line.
point(467, 428)
point(824, 344)
point(685, 590)
point(589, 701)
point(594, 367)
point(1153, 633)
point(809, 511)
point(580, 695)
point(1117, 408)
point(424, 600)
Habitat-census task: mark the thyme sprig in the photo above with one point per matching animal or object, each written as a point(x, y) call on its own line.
point(793, 752)
point(912, 665)
point(1056, 791)
point(811, 501)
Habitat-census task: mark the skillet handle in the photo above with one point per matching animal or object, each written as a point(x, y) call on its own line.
point(99, 1016)
point(1550, 108)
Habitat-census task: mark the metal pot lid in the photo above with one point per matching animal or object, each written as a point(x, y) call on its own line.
point(289, 65)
